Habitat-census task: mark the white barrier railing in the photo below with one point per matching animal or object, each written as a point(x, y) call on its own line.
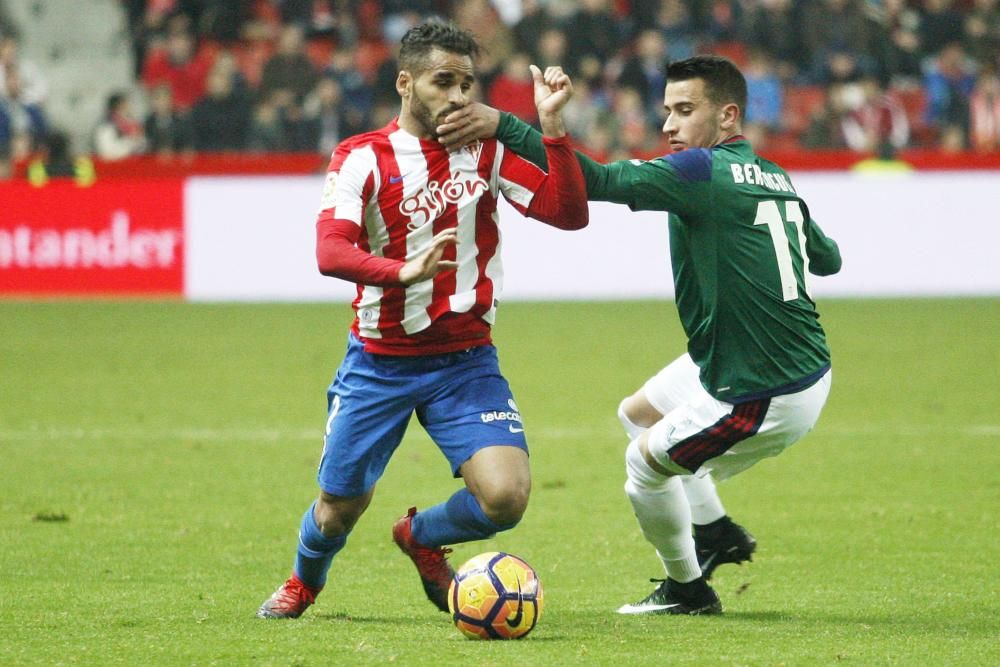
point(902, 235)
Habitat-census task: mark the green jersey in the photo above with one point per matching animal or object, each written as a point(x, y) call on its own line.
point(742, 244)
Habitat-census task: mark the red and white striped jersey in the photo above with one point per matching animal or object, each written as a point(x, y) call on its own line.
point(400, 191)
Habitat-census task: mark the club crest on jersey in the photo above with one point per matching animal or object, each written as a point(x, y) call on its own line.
point(474, 149)
point(329, 191)
point(427, 204)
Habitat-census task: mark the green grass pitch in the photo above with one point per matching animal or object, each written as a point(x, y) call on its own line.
point(155, 459)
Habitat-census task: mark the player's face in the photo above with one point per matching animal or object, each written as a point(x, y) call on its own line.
point(693, 120)
point(443, 87)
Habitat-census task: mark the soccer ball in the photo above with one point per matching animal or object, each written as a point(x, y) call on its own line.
point(495, 596)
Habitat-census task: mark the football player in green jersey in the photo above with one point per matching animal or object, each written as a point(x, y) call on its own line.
point(757, 369)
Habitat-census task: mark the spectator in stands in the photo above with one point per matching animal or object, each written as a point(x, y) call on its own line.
point(948, 83)
point(34, 87)
point(23, 124)
point(551, 49)
point(324, 111)
point(290, 67)
point(279, 125)
point(481, 19)
point(225, 62)
point(55, 156)
point(392, 10)
point(723, 20)
point(898, 51)
point(168, 132)
point(984, 115)
point(179, 65)
point(327, 19)
point(952, 139)
point(673, 20)
point(837, 28)
point(513, 90)
point(645, 71)
point(982, 31)
point(7, 26)
point(267, 132)
point(534, 22)
point(771, 26)
point(119, 135)
point(300, 135)
point(632, 125)
point(360, 98)
point(600, 140)
point(838, 66)
point(827, 42)
point(55, 160)
point(221, 118)
point(581, 114)
point(940, 25)
point(382, 99)
point(594, 32)
point(824, 130)
point(871, 118)
point(223, 20)
point(765, 98)
point(147, 24)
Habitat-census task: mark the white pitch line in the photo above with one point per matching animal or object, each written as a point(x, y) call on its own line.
point(53, 433)
point(199, 434)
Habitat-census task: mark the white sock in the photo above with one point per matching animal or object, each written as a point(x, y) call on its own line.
point(664, 515)
point(632, 430)
point(706, 506)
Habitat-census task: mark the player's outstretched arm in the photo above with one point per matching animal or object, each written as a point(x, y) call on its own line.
point(429, 263)
point(561, 199)
point(469, 124)
point(338, 256)
point(553, 89)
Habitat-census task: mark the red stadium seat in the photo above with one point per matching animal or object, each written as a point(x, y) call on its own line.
point(801, 102)
point(914, 103)
point(319, 50)
point(250, 58)
point(735, 51)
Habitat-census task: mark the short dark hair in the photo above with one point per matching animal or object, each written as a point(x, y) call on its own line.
point(115, 100)
point(419, 40)
point(724, 83)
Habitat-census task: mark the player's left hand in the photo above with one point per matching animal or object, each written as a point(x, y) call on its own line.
point(471, 123)
point(553, 89)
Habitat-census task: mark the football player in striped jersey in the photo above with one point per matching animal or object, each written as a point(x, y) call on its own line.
point(415, 226)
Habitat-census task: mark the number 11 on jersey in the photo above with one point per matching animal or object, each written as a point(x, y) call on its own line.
point(769, 214)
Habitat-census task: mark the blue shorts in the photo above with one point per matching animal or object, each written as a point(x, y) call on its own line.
point(460, 398)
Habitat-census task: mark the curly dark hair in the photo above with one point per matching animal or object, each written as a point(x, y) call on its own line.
point(419, 40)
point(724, 83)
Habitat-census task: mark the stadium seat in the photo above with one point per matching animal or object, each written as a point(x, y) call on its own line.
point(251, 56)
point(319, 50)
point(735, 51)
point(913, 99)
point(801, 102)
point(84, 55)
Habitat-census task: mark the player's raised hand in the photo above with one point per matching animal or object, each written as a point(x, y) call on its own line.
point(553, 89)
point(428, 264)
point(471, 123)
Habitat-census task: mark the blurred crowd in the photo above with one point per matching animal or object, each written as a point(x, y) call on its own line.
point(872, 76)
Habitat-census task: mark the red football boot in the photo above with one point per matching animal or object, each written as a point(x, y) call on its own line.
point(290, 600)
point(432, 564)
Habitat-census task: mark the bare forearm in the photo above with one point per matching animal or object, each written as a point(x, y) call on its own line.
point(552, 125)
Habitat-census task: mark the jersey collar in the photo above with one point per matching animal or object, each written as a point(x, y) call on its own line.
point(735, 138)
